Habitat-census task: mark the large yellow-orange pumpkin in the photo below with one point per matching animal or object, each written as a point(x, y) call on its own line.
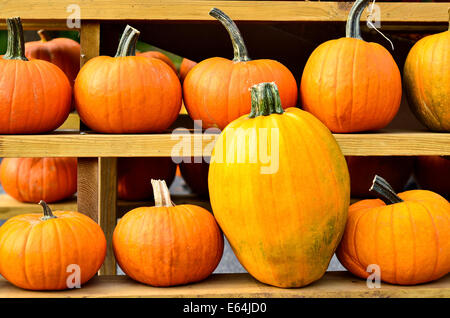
point(46, 252)
point(407, 236)
point(36, 179)
point(349, 84)
point(433, 173)
point(160, 56)
point(35, 95)
point(63, 52)
point(284, 210)
point(167, 245)
point(426, 76)
point(216, 89)
point(127, 93)
point(134, 175)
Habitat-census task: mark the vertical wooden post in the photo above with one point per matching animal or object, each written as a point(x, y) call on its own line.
point(97, 177)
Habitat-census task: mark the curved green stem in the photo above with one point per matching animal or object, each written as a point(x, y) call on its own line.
point(45, 37)
point(265, 100)
point(384, 191)
point(127, 44)
point(16, 43)
point(47, 211)
point(352, 29)
point(161, 193)
point(240, 50)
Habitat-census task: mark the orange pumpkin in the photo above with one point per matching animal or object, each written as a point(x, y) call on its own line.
point(363, 169)
point(167, 245)
point(160, 56)
point(280, 191)
point(63, 52)
point(35, 179)
point(426, 76)
point(216, 89)
point(349, 84)
point(127, 93)
point(185, 67)
point(35, 95)
point(196, 175)
point(406, 235)
point(133, 175)
point(433, 173)
point(47, 252)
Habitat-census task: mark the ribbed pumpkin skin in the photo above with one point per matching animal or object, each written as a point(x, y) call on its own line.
point(351, 85)
point(426, 76)
point(283, 227)
point(410, 241)
point(396, 169)
point(432, 173)
point(216, 90)
point(196, 176)
point(64, 53)
point(185, 67)
point(160, 56)
point(167, 246)
point(35, 97)
point(35, 254)
point(131, 94)
point(35, 179)
point(134, 175)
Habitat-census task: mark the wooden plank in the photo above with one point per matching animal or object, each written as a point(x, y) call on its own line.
point(87, 188)
point(71, 123)
point(332, 285)
point(40, 24)
point(89, 41)
point(65, 144)
point(143, 10)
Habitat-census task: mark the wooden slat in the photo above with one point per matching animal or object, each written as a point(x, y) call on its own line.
point(332, 285)
point(71, 123)
point(89, 41)
point(64, 144)
point(87, 188)
point(143, 10)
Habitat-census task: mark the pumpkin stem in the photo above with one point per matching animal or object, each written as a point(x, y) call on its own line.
point(265, 100)
point(352, 29)
point(45, 37)
point(384, 191)
point(240, 50)
point(161, 193)
point(16, 43)
point(47, 211)
point(127, 44)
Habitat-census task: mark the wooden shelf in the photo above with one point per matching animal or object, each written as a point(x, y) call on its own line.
point(33, 11)
point(332, 285)
point(72, 144)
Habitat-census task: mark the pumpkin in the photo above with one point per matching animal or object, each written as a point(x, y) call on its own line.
point(63, 52)
point(47, 252)
point(185, 67)
point(160, 56)
point(35, 95)
point(35, 179)
point(425, 73)
point(433, 173)
point(133, 175)
point(167, 245)
point(349, 84)
point(196, 175)
point(216, 89)
point(283, 223)
point(406, 235)
point(363, 169)
point(127, 93)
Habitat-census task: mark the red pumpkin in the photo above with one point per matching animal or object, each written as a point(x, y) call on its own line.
point(160, 56)
point(433, 173)
point(196, 175)
point(134, 175)
point(35, 179)
point(35, 95)
point(216, 89)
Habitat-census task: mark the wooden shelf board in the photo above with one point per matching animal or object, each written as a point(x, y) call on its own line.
point(332, 285)
point(197, 10)
point(71, 144)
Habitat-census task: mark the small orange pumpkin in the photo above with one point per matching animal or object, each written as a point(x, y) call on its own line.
point(407, 236)
point(35, 94)
point(167, 245)
point(433, 173)
point(35, 179)
point(349, 84)
point(160, 56)
point(216, 89)
point(127, 93)
point(46, 252)
point(185, 67)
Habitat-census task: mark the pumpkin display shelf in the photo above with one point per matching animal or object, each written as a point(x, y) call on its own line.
point(97, 153)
